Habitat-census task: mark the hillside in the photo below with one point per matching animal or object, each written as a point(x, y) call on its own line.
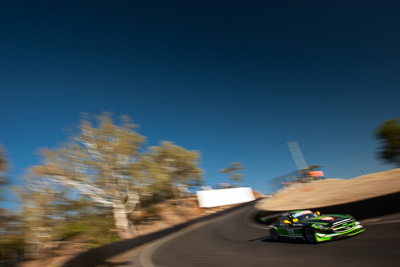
point(333, 191)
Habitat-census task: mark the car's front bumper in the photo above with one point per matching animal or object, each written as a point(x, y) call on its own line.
point(326, 237)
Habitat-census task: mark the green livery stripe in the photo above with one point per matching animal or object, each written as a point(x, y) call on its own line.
point(330, 236)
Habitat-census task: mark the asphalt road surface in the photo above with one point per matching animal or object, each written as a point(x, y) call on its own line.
point(236, 240)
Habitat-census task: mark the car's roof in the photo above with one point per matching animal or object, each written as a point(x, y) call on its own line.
point(296, 211)
point(293, 212)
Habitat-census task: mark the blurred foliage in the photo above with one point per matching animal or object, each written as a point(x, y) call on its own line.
point(232, 170)
point(93, 229)
point(93, 188)
point(389, 135)
point(168, 171)
point(11, 239)
point(97, 163)
point(4, 167)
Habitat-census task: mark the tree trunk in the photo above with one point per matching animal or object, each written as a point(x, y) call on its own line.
point(122, 222)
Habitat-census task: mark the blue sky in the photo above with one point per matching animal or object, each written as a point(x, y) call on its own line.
point(235, 80)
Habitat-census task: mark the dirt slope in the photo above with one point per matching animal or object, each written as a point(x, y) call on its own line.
point(333, 191)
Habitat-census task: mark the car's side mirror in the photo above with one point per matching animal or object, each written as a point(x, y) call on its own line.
point(286, 221)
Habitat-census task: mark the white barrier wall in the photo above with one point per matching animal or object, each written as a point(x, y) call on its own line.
point(222, 197)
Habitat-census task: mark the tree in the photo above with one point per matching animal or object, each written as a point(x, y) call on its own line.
point(232, 170)
point(98, 163)
point(4, 184)
point(10, 235)
point(42, 219)
point(3, 161)
point(49, 216)
point(389, 135)
point(169, 169)
point(4, 167)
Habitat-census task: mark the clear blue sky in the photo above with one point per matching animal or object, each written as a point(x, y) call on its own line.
point(235, 80)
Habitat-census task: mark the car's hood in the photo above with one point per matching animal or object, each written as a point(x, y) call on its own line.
point(328, 219)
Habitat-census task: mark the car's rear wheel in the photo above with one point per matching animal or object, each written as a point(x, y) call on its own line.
point(274, 234)
point(309, 234)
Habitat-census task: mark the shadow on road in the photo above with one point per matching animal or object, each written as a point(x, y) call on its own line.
point(262, 239)
point(114, 264)
point(269, 239)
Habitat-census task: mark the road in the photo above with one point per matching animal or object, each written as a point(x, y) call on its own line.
point(236, 240)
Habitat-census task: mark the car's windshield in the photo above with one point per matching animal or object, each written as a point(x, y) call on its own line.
point(304, 215)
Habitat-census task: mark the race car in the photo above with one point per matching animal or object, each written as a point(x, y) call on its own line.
point(314, 227)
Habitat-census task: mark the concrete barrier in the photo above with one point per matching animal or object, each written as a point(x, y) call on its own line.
point(98, 255)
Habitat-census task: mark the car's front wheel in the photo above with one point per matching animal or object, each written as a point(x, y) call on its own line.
point(309, 234)
point(274, 234)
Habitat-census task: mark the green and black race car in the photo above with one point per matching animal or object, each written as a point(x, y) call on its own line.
point(314, 227)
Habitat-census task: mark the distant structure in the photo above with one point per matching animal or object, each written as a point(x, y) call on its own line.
point(304, 173)
point(206, 187)
point(307, 173)
point(224, 185)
